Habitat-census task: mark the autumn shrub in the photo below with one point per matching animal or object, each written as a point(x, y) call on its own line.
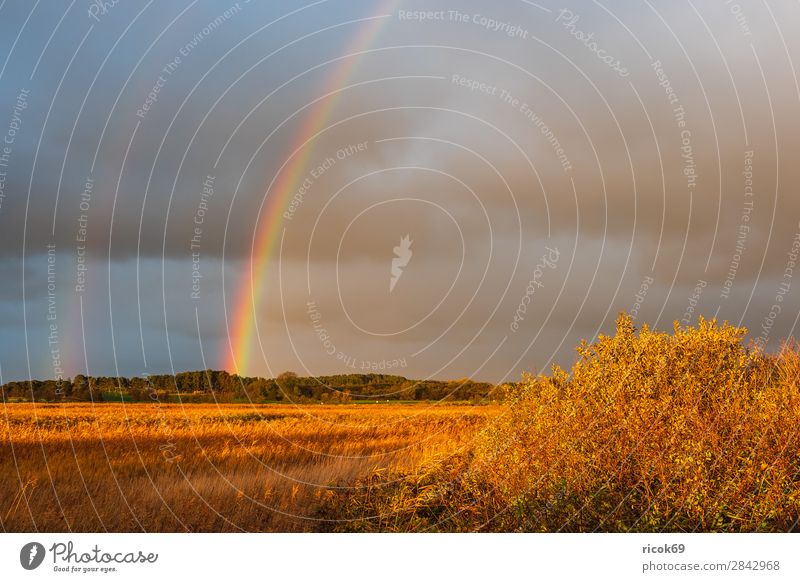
point(650, 431)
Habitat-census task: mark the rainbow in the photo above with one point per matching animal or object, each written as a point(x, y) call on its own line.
point(240, 346)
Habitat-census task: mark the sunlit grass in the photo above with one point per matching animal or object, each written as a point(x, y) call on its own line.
point(156, 467)
point(649, 431)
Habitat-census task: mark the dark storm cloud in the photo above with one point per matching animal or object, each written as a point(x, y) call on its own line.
point(489, 137)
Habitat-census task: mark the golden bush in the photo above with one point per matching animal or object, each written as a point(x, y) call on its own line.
point(650, 431)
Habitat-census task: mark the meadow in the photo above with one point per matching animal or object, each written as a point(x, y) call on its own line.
point(692, 430)
point(207, 468)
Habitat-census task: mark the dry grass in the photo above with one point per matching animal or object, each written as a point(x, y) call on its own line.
point(690, 431)
point(152, 467)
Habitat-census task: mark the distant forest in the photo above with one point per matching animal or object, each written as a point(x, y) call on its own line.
point(220, 386)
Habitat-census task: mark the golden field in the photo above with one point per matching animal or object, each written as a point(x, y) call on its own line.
point(203, 467)
point(649, 431)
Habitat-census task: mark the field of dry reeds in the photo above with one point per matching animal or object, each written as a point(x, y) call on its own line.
point(202, 467)
point(649, 431)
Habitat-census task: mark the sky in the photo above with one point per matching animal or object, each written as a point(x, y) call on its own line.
point(429, 189)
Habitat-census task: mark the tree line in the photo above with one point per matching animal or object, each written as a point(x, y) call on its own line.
point(221, 386)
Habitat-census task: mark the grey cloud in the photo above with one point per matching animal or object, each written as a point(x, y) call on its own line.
point(626, 220)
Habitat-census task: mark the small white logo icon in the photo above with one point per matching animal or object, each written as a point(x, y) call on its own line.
point(400, 261)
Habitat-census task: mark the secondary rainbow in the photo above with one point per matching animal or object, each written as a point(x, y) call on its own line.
point(240, 345)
